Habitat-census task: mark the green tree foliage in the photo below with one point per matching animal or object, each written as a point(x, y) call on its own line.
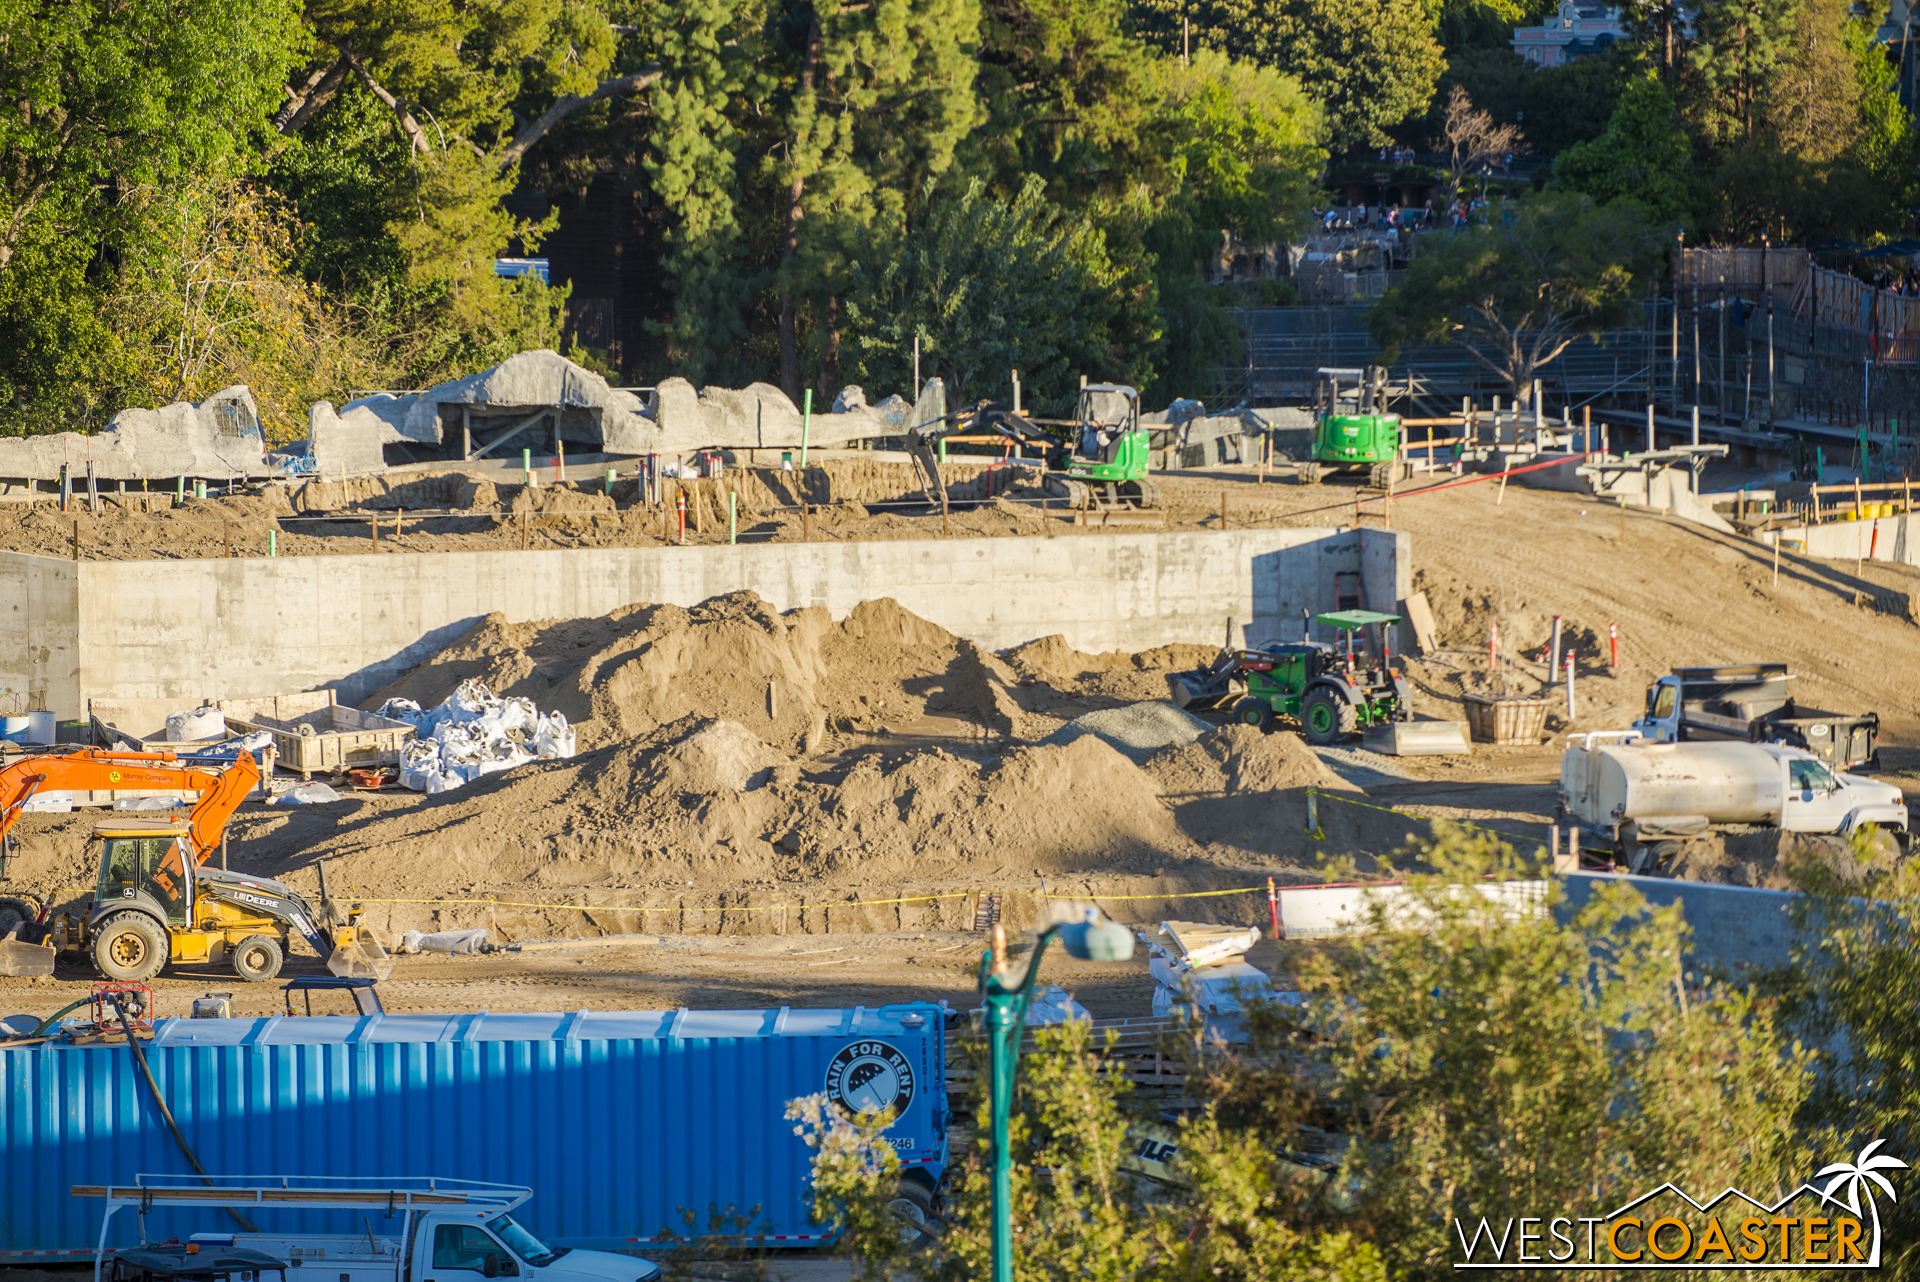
point(1850, 994)
point(990, 285)
point(1491, 1064)
point(694, 169)
point(1078, 1212)
point(1831, 154)
point(1471, 1061)
point(1739, 46)
point(1644, 154)
point(884, 97)
point(109, 107)
point(1520, 290)
point(1370, 63)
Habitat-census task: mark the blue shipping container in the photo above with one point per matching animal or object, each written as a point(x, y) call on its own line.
point(618, 1120)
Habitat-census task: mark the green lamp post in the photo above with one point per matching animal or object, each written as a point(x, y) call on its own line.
point(1008, 996)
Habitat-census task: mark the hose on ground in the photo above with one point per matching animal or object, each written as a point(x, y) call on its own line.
point(140, 1058)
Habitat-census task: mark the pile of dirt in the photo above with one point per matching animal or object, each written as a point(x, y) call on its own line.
point(1239, 789)
point(704, 803)
point(797, 680)
point(1767, 857)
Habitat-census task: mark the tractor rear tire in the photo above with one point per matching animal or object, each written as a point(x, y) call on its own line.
point(1257, 713)
point(258, 958)
point(130, 947)
point(1307, 473)
point(1327, 717)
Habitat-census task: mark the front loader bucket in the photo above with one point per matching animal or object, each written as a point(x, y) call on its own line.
point(1199, 689)
point(18, 957)
point(359, 954)
point(1419, 739)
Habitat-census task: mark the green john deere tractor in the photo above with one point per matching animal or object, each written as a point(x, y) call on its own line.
point(1330, 689)
point(1352, 429)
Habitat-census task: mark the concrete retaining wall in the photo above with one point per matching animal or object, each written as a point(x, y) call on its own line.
point(250, 627)
point(1898, 540)
point(1735, 927)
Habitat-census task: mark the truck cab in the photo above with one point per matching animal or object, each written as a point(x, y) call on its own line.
point(1752, 703)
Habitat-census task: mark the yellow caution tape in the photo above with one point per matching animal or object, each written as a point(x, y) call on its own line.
point(1405, 814)
point(770, 908)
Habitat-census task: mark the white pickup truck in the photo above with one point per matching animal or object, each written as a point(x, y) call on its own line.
point(429, 1230)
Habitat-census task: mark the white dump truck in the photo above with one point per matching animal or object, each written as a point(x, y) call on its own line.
point(1645, 796)
point(412, 1230)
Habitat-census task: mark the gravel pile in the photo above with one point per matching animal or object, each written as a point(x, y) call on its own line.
point(1136, 731)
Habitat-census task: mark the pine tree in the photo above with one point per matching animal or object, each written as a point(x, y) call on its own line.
point(885, 94)
point(693, 167)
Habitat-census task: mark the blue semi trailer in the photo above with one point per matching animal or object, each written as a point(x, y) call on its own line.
point(622, 1122)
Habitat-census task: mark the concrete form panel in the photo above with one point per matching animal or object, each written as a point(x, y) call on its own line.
point(250, 627)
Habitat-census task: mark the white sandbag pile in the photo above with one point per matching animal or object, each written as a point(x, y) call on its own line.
point(196, 726)
point(1201, 972)
point(473, 733)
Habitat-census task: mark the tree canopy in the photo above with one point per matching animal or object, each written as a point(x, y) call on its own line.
point(1520, 289)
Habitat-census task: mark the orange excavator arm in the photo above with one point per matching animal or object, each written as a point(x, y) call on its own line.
point(221, 791)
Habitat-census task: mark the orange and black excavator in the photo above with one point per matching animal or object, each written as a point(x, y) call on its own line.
point(157, 898)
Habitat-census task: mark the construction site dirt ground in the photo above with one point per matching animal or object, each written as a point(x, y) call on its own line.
point(901, 772)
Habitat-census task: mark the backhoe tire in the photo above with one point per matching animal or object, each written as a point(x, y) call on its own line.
point(1257, 713)
point(1326, 717)
point(130, 947)
point(258, 958)
point(1307, 473)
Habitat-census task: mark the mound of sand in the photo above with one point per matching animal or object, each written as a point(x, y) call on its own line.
point(792, 679)
point(1242, 790)
point(787, 678)
point(705, 803)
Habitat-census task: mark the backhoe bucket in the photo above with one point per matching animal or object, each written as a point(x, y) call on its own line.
point(1419, 739)
point(19, 957)
point(1198, 689)
point(359, 954)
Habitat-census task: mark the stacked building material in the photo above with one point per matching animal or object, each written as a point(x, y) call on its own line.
point(1200, 970)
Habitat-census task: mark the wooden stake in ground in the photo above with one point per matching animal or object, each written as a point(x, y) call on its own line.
point(1501, 497)
point(1778, 537)
point(945, 530)
point(374, 527)
point(76, 540)
point(806, 522)
point(1223, 509)
point(226, 531)
point(526, 529)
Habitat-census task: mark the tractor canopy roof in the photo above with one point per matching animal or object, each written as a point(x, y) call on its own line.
point(1354, 619)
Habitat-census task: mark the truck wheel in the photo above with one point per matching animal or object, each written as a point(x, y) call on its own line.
point(912, 1205)
point(130, 947)
point(1307, 473)
point(1257, 713)
point(258, 958)
point(1326, 716)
